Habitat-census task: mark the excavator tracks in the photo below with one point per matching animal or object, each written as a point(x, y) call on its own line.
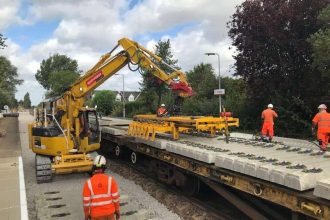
point(43, 166)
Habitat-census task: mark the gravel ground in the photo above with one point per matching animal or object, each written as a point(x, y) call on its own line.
point(70, 187)
point(172, 198)
point(139, 199)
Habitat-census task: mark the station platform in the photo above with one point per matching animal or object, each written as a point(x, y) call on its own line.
point(13, 197)
point(13, 203)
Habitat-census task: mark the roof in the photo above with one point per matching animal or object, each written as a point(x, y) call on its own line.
point(126, 93)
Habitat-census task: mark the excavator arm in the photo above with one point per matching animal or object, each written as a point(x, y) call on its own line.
point(141, 56)
point(135, 54)
point(73, 100)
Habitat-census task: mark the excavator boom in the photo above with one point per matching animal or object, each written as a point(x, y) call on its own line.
point(132, 54)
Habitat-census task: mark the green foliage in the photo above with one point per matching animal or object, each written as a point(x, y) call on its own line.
point(203, 80)
point(320, 42)
point(105, 101)
point(27, 101)
point(152, 88)
point(7, 99)
point(117, 110)
point(149, 98)
point(56, 64)
point(8, 82)
point(2, 41)
point(292, 117)
point(274, 60)
point(131, 109)
point(235, 98)
point(200, 106)
point(61, 81)
point(20, 103)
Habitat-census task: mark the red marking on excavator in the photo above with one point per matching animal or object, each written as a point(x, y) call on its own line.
point(180, 86)
point(95, 78)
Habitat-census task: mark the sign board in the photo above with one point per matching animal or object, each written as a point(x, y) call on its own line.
point(219, 92)
point(6, 107)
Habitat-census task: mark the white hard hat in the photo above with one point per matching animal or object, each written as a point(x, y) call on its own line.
point(322, 106)
point(163, 105)
point(270, 106)
point(100, 161)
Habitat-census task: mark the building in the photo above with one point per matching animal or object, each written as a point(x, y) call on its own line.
point(129, 96)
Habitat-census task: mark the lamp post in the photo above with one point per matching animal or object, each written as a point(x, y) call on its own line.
point(216, 54)
point(123, 94)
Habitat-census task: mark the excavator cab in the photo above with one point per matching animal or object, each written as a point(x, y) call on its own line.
point(89, 126)
point(59, 151)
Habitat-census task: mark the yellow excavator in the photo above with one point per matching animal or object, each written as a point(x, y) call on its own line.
point(64, 130)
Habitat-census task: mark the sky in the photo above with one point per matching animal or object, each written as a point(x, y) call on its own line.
point(86, 29)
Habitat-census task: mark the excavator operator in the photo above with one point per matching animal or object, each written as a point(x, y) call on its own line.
point(162, 111)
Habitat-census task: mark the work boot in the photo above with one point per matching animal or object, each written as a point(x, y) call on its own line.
point(264, 139)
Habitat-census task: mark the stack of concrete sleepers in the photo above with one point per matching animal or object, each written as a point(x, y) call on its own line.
point(287, 141)
point(322, 189)
point(158, 143)
point(196, 152)
point(296, 167)
point(293, 163)
point(113, 130)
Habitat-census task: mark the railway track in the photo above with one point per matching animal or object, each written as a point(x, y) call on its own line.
point(200, 206)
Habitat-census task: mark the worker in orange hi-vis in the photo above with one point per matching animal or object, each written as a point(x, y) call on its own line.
point(100, 194)
point(268, 116)
point(322, 121)
point(162, 111)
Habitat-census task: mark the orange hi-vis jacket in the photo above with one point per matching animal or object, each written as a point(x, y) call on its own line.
point(100, 196)
point(161, 111)
point(322, 120)
point(268, 115)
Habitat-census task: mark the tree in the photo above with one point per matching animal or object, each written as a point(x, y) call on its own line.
point(235, 97)
point(20, 103)
point(27, 101)
point(56, 64)
point(320, 42)
point(274, 58)
point(2, 41)
point(152, 87)
point(8, 82)
point(61, 81)
point(203, 82)
point(105, 101)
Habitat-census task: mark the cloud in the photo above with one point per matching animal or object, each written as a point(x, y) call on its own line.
point(212, 16)
point(193, 53)
point(90, 23)
point(8, 13)
point(87, 30)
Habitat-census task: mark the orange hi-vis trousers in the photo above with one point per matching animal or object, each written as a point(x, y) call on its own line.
point(323, 138)
point(268, 129)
